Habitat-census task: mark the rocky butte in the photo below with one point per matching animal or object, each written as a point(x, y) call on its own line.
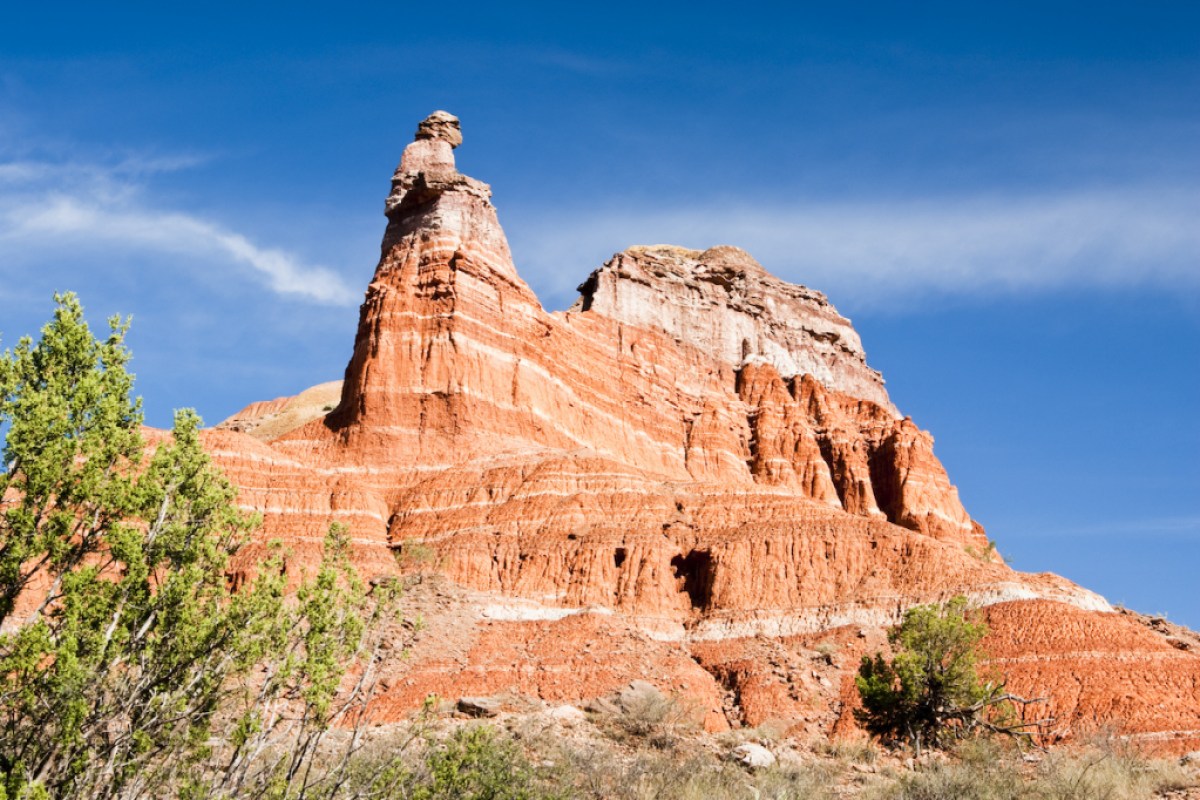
point(691, 477)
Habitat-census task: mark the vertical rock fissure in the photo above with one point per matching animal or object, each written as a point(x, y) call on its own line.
point(694, 574)
point(885, 481)
point(836, 472)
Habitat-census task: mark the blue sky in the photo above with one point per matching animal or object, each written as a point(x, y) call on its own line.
point(1003, 197)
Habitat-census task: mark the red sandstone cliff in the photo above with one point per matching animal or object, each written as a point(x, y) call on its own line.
point(694, 465)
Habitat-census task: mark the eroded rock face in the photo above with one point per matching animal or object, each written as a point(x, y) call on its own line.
point(455, 360)
point(695, 455)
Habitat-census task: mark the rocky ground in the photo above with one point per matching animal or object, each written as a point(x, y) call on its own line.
point(638, 743)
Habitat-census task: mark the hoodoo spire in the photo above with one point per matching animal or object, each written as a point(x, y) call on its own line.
point(445, 279)
point(427, 167)
point(430, 194)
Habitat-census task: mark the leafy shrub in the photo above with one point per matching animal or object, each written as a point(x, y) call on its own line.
point(477, 764)
point(930, 692)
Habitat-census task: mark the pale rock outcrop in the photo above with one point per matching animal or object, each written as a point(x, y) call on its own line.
point(270, 419)
point(754, 756)
point(722, 301)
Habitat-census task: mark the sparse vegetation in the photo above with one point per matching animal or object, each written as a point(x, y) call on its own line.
point(988, 553)
point(1107, 766)
point(599, 773)
point(477, 761)
point(414, 555)
point(976, 770)
point(767, 732)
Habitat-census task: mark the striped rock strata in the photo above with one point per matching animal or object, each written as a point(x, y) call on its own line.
point(695, 457)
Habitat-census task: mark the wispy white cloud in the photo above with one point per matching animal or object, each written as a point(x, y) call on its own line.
point(871, 253)
point(109, 175)
point(865, 254)
point(37, 216)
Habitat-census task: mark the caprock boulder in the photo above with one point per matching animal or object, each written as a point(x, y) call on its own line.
point(690, 477)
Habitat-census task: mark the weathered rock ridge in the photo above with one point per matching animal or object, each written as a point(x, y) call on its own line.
point(696, 452)
point(723, 301)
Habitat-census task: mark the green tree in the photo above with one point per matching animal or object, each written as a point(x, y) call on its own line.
point(122, 651)
point(281, 721)
point(931, 690)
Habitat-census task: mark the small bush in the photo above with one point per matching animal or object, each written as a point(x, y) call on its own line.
point(650, 716)
point(987, 554)
point(477, 764)
point(413, 555)
point(827, 650)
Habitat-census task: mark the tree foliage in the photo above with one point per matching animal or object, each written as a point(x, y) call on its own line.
point(123, 654)
point(931, 690)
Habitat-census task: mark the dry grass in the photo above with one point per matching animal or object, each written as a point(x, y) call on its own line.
point(1105, 768)
point(859, 750)
point(600, 773)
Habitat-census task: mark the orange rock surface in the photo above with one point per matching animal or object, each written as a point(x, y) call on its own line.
point(691, 476)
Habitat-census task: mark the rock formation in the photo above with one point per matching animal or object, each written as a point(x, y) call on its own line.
point(694, 465)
